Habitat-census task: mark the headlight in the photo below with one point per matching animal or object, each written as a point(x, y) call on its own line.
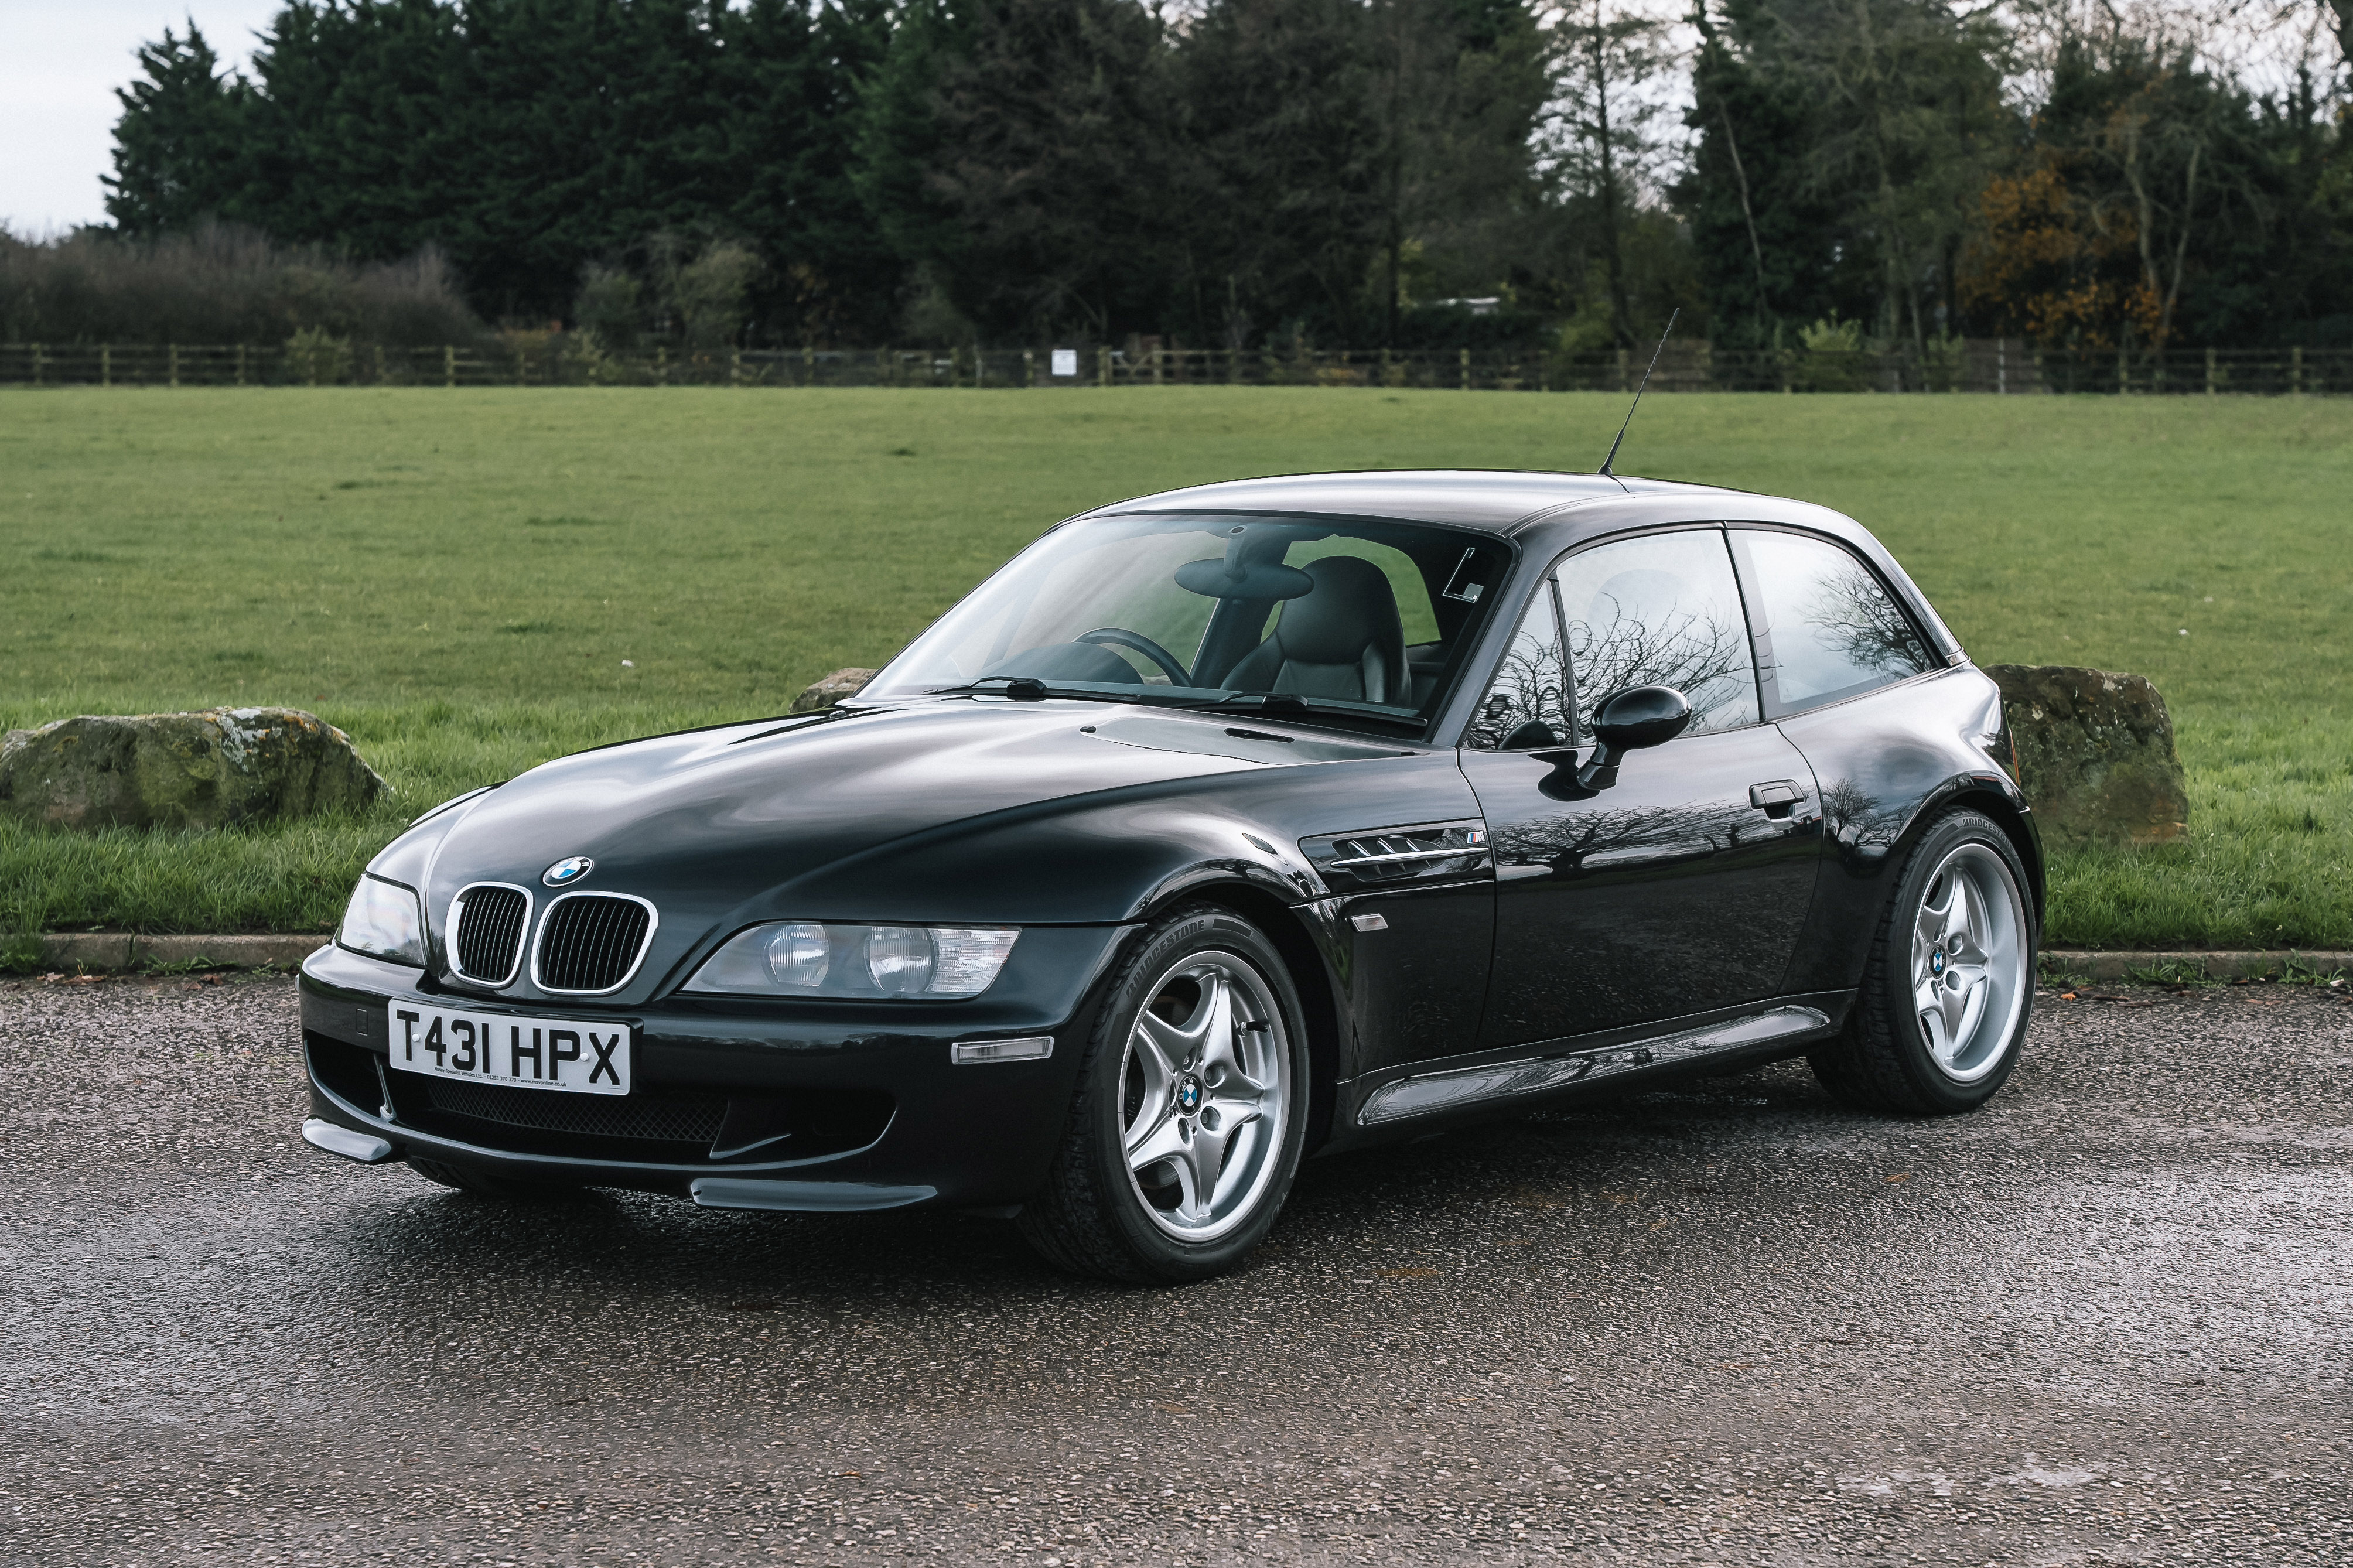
point(802, 958)
point(381, 920)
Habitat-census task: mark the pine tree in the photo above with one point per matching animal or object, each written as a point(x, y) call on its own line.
point(180, 142)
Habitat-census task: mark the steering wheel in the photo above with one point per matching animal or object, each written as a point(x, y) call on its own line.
point(1176, 673)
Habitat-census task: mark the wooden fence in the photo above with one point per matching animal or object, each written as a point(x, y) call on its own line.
point(1983, 366)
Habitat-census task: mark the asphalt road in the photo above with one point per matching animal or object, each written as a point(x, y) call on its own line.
point(2104, 1321)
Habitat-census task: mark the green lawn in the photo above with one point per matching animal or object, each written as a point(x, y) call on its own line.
point(458, 578)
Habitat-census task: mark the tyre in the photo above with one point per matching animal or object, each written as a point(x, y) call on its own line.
point(1949, 986)
point(1190, 1113)
point(484, 1183)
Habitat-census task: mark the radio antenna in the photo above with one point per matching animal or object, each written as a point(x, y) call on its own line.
point(1638, 394)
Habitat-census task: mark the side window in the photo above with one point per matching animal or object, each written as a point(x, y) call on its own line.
point(1834, 630)
point(1525, 707)
point(1660, 610)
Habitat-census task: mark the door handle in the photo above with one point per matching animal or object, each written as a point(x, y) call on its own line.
point(1777, 798)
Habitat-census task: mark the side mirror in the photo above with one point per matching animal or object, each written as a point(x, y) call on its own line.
point(1642, 716)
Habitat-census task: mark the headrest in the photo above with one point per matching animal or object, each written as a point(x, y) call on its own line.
point(1353, 608)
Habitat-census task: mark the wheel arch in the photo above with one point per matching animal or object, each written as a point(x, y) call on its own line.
point(1311, 977)
point(2011, 816)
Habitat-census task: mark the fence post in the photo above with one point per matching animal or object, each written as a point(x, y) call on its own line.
point(2002, 367)
point(2296, 370)
point(1028, 367)
point(808, 365)
point(1233, 367)
point(734, 368)
point(1102, 364)
point(2124, 384)
point(240, 364)
point(39, 362)
point(106, 364)
point(172, 352)
point(1466, 370)
point(1625, 372)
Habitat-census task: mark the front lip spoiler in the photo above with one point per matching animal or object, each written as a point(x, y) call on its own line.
point(347, 1142)
point(805, 1197)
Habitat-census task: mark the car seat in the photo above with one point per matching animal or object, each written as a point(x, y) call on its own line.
point(1341, 638)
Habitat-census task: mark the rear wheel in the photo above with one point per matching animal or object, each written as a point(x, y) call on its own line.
point(1191, 1110)
point(484, 1183)
point(1949, 986)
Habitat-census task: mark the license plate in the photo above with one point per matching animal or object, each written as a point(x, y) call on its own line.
point(521, 1053)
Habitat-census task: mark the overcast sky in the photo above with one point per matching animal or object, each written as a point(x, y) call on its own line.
point(60, 61)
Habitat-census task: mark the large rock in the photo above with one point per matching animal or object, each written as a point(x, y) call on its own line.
point(842, 683)
point(2096, 753)
point(213, 769)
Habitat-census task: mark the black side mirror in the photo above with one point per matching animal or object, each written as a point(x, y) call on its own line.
point(1641, 716)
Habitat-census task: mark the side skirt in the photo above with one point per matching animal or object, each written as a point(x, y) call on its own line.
point(1526, 1074)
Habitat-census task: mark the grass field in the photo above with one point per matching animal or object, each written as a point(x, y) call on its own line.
point(457, 578)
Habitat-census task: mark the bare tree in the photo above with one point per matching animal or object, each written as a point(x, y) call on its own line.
point(1605, 128)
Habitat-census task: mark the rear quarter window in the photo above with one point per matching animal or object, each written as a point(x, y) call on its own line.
point(1835, 629)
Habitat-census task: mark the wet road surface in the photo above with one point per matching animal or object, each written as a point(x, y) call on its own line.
point(2105, 1320)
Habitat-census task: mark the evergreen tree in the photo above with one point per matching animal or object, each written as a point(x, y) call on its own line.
point(1282, 194)
point(1767, 238)
point(1051, 153)
point(180, 141)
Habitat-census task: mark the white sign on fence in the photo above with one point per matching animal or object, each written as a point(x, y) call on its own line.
point(1066, 362)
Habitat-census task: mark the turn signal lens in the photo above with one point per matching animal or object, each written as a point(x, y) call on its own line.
point(382, 920)
point(803, 958)
point(969, 957)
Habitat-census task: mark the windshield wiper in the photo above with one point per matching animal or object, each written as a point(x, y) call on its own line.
point(1289, 704)
point(1024, 688)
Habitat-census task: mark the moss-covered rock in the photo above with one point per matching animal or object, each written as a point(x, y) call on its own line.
point(825, 693)
point(223, 766)
point(2096, 753)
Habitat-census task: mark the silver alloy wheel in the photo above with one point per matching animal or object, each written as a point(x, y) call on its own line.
point(1204, 1096)
point(1969, 962)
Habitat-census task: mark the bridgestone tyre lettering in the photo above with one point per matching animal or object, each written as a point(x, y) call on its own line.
point(1887, 1059)
point(1167, 1223)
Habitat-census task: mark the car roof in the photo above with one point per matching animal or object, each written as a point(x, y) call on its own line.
point(1550, 511)
point(1494, 500)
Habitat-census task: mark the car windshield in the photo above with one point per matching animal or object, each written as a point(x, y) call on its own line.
point(1340, 616)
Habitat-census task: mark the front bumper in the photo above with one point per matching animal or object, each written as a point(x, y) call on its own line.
point(738, 1103)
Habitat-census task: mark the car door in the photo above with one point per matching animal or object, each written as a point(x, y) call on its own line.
point(1683, 887)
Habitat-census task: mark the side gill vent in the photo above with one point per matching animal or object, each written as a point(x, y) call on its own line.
point(1401, 855)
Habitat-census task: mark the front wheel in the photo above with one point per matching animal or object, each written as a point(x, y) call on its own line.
point(1191, 1110)
point(1950, 982)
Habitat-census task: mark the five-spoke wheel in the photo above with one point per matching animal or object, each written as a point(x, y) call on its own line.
point(1948, 988)
point(1203, 1092)
point(1968, 980)
point(1191, 1109)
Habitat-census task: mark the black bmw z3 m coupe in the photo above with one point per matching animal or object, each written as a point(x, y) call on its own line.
point(1218, 829)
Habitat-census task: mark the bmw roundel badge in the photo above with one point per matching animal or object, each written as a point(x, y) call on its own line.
point(563, 873)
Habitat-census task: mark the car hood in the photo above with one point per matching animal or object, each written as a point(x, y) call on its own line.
point(707, 822)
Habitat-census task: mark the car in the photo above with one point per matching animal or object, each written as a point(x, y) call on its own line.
point(1220, 828)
